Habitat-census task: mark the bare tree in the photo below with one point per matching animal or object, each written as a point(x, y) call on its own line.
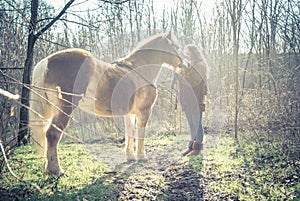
point(235, 10)
point(187, 20)
point(256, 59)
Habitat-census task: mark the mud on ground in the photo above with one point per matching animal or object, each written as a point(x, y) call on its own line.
point(164, 176)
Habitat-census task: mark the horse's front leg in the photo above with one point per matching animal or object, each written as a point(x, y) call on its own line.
point(140, 144)
point(129, 137)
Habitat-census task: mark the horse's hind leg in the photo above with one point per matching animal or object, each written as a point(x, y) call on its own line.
point(129, 137)
point(40, 119)
point(38, 137)
point(53, 135)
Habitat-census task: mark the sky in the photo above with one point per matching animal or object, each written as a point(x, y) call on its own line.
point(159, 5)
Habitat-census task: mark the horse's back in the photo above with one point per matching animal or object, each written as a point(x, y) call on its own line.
point(57, 77)
point(70, 69)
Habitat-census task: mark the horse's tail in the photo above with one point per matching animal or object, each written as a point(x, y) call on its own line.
point(39, 120)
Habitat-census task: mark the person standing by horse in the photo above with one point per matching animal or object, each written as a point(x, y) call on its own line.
point(192, 84)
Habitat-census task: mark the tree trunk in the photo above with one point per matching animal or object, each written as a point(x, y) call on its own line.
point(236, 54)
point(235, 9)
point(23, 124)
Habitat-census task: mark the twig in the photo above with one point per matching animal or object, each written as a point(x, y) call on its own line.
point(16, 68)
point(39, 33)
point(9, 95)
point(49, 102)
point(41, 96)
point(13, 174)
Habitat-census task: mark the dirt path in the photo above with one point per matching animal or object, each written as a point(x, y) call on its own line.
point(164, 176)
point(160, 153)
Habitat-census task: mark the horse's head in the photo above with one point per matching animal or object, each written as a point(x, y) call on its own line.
point(176, 57)
point(160, 49)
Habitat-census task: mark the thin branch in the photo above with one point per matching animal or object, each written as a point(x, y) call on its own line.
point(17, 10)
point(79, 3)
point(114, 2)
point(9, 95)
point(17, 68)
point(13, 174)
point(84, 22)
point(54, 19)
point(97, 6)
point(41, 96)
point(84, 25)
point(55, 43)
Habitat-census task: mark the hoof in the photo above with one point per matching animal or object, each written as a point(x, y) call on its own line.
point(130, 160)
point(142, 158)
point(54, 172)
point(130, 157)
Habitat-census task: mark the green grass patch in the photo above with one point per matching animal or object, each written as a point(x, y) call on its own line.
point(249, 171)
point(246, 170)
point(84, 178)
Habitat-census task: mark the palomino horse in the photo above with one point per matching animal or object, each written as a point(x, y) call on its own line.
point(74, 78)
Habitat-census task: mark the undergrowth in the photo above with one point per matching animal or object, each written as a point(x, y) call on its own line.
point(84, 178)
point(244, 170)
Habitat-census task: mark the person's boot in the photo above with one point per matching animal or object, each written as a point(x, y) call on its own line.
point(197, 147)
point(189, 149)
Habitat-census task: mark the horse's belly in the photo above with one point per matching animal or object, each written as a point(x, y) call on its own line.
point(111, 95)
point(104, 108)
point(107, 103)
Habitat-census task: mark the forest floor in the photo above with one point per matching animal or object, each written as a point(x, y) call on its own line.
point(226, 170)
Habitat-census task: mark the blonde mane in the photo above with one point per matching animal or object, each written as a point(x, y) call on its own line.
point(142, 43)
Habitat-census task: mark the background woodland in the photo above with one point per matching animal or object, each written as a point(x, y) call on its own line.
point(252, 46)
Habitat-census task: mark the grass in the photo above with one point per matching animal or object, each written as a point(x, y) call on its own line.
point(241, 171)
point(85, 177)
point(247, 171)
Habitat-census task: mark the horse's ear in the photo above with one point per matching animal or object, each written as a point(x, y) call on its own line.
point(169, 34)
